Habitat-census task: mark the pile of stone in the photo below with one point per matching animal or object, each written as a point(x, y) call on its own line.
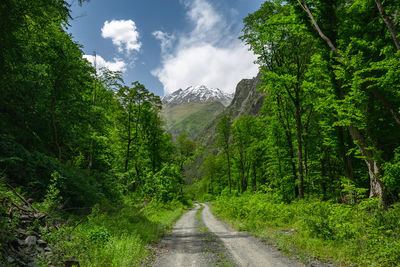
point(24, 244)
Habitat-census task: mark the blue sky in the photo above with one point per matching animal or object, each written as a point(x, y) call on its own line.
point(167, 44)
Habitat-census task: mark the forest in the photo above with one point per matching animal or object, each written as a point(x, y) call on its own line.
point(85, 160)
point(74, 140)
point(327, 140)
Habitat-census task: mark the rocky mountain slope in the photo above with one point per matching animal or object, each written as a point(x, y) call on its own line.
point(248, 100)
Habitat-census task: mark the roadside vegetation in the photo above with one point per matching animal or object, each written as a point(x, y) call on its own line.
point(317, 171)
point(88, 175)
point(115, 235)
point(363, 235)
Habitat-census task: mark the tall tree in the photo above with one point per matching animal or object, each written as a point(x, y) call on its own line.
point(284, 50)
point(224, 129)
point(360, 73)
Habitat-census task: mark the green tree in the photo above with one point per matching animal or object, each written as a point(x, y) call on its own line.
point(365, 104)
point(284, 49)
point(186, 149)
point(224, 129)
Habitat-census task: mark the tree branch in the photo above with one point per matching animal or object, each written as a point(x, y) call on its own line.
point(303, 4)
point(388, 23)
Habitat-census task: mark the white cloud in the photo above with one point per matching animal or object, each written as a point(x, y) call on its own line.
point(116, 65)
point(209, 54)
point(206, 20)
point(123, 33)
point(166, 40)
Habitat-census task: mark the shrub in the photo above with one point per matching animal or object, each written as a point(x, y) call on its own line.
point(358, 234)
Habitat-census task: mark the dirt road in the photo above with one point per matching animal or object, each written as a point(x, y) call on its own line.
point(190, 244)
point(244, 248)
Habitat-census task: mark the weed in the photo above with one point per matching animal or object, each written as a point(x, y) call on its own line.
point(363, 234)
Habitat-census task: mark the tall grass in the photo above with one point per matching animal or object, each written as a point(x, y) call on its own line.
point(363, 234)
point(115, 235)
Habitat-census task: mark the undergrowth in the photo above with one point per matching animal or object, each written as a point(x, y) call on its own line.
point(364, 234)
point(114, 235)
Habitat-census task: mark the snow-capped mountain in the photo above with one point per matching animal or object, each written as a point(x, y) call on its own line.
point(197, 94)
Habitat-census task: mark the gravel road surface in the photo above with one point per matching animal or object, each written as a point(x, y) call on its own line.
point(186, 245)
point(189, 244)
point(244, 248)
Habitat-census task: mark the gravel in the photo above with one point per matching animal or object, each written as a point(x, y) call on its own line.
point(184, 246)
point(244, 248)
point(205, 241)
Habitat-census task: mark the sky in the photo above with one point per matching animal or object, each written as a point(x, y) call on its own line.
point(167, 44)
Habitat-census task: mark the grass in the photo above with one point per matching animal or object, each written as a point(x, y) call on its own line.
point(214, 248)
point(346, 235)
point(191, 118)
point(115, 235)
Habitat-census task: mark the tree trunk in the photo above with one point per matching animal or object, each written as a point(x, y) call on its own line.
point(229, 171)
point(286, 128)
point(53, 119)
point(247, 178)
point(90, 157)
point(374, 168)
point(348, 172)
point(386, 104)
point(323, 174)
point(135, 138)
point(254, 184)
point(243, 186)
point(128, 147)
point(376, 186)
point(388, 23)
point(299, 149)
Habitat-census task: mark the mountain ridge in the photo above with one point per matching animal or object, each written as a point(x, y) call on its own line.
point(197, 94)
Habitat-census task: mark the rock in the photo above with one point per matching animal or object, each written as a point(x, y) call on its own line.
point(20, 242)
point(47, 254)
point(10, 259)
point(39, 215)
point(42, 243)
point(20, 231)
point(24, 217)
point(30, 241)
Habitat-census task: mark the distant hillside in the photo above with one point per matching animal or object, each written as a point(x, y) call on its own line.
point(247, 100)
point(190, 118)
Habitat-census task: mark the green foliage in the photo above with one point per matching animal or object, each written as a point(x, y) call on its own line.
point(190, 118)
point(362, 235)
point(72, 137)
point(166, 184)
point(329, 126)
point(115, 235)
point(392, 174)
point(99, 236)
point(52, 200)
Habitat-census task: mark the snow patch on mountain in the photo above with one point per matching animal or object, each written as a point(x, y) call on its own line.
point(198, 94)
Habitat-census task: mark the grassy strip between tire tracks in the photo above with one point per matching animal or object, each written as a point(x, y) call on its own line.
point(215, 248)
